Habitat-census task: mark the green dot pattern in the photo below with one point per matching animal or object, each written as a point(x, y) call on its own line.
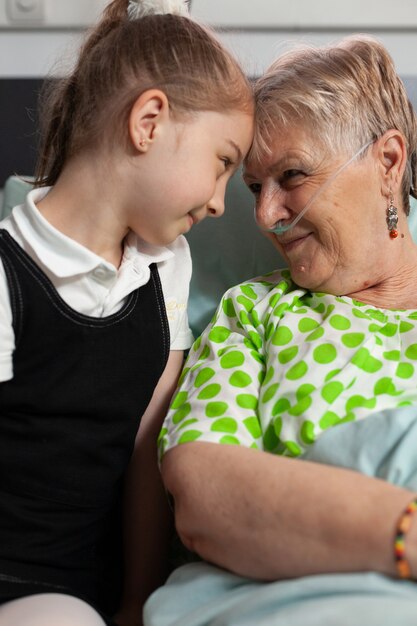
point(240, 379)
point(219, 334)
point(203, 376)
point(209, 392)
point(279, 365)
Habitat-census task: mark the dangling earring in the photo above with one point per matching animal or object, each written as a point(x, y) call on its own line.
point(392, 217)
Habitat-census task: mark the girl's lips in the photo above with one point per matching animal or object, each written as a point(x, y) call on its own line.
point(195, 219)
point(192, 221)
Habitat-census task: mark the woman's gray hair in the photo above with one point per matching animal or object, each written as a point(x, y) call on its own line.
point(347, 94)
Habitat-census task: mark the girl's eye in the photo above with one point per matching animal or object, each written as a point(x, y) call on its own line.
point(227, 163)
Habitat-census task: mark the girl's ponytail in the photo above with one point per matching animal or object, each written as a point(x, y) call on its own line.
point(58, 103)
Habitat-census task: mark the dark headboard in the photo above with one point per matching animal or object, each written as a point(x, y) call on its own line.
point(18, 125)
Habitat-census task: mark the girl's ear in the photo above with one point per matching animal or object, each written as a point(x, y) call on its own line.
point(146, 119)
point(392, 157)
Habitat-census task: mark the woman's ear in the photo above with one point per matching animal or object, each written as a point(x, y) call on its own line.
point(147, 117)
point(392, 156)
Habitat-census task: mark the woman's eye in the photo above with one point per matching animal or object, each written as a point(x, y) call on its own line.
point(292, 173)
point(291, 176)
point(255, 188)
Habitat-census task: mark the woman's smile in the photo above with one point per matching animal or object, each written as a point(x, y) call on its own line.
point(294, 243)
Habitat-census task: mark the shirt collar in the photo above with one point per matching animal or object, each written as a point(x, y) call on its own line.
point(66, 257)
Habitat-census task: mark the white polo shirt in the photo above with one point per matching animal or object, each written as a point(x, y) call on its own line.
point(88, 283)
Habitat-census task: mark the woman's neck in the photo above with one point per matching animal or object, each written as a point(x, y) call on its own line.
point(398, 290)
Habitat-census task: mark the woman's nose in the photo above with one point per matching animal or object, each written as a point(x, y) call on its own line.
point(270, 206)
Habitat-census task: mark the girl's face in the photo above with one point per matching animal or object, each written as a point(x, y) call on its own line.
point(186, 173)
point(338, 245)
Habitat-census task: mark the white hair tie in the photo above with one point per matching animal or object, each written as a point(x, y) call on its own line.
point(140, 8)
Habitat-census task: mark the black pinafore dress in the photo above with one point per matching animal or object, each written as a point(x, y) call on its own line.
point(68, 422)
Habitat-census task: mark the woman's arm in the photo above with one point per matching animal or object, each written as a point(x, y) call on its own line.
point(271, 517)
point(148, 520)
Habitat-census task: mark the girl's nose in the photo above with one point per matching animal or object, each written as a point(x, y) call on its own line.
point(216, 205)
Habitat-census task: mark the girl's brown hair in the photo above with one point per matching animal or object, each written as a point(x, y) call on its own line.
point(123, 58)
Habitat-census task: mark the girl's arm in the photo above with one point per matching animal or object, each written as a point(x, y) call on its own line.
point(148, 520)
point(271, 517)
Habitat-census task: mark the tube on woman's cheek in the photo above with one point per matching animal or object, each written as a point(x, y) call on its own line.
point(279, 228)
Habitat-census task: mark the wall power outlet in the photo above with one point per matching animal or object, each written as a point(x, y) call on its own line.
point(25, 12)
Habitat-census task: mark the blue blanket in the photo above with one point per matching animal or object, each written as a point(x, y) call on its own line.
point(198, 594)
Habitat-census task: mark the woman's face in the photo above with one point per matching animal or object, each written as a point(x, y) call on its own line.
point(338, 245)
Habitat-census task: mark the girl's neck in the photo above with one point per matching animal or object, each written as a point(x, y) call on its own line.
point(83, 205)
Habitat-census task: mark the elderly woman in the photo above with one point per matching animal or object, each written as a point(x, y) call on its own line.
point(330, 342)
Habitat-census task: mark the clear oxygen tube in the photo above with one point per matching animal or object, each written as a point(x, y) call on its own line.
point(279, 228)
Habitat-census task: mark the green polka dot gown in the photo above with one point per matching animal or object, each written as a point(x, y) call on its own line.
point(278, 365)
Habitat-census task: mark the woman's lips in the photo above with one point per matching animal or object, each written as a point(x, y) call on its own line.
point(294, 243)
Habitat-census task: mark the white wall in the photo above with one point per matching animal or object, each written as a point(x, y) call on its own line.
point(256, 29)
point(31, 45)
point(259, 30)
point(307, 13)
point(37, 53)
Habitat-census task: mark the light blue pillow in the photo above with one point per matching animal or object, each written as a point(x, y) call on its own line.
point(14, 192)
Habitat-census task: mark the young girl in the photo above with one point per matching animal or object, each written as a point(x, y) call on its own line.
point(138, 145)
